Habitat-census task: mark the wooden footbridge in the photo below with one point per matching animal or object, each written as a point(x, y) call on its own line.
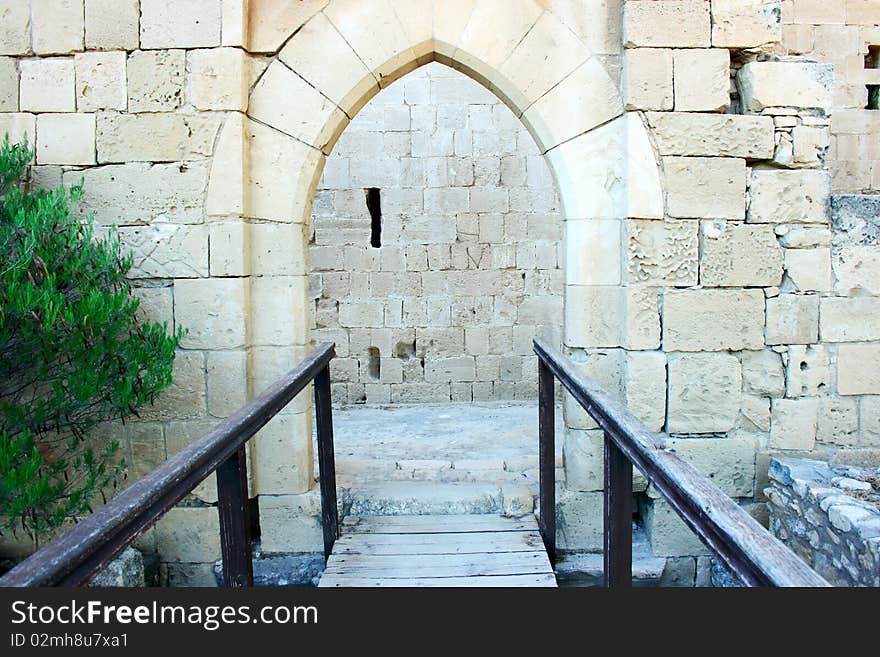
point(462, 551)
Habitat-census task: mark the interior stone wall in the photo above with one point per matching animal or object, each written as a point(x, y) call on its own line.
point(468, 269)
point(847, 35)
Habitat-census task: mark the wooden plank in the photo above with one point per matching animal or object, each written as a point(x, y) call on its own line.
point(454, 543)
point(436, 524)
point(543, 580)
point(439, 565)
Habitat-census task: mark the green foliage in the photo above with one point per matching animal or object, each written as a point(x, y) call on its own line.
point(72, 352)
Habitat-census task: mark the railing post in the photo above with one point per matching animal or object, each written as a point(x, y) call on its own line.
point(235, 525)
point(547, 457)
point(326, 462)
point(618, 517)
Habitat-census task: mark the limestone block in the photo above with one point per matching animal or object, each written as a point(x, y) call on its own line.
point(281, 316)
point(583, 459)
point(217, 79)
point(645, 385)
point(66, 139)
point(146, 442)
point(283, 172)
point(229, 249)
point(792, 319)
point(594, 186)
point(838, 422)
point(704, 392)
point(746, 24)
point(348, 83)
point(100, 81)
point(282, 455)
point(663, 252)
point(112, 24)
point(808, 371)
point(858, 369)
point(155, 80)
point(172, 24)
point(808, 270)
point(185, 398)
point(179, 435)
point(729, 135)
point(779, 196)
point(669, 24)
point(47, 85)
point(850, 320)
point(869, 421)
point(736, 255)
point(606, 368)
point(793, 423)
point(142, 193)
point(797, 236)
point(799, 84)
point(214, 311)
point(705, 187)
point(166, 250)
point(227, 182)
point(9, 83)
point(668, 534)
point(583, 100)
point(163, 137)
point(810, 144)
point(234, 23)
point(702, 80)
point(594, 315)
point(189, 535)
point(156, 304)
point(592, 252)
point(361, 313)
point(856, 269)
point(416, 18)
point(763, 373)
point(450, 19)
point(487, 41)
point(729, 463)
point(642, 329)
point(278, 249)
point(285, 101)
point(15, 27)
point(647, 79)
point(291, 523)
point(579, 520)
point(711, 320)
point(545, 56)
point(19, 126)
point(440, 370)
point(57, 26)
point(374, 32)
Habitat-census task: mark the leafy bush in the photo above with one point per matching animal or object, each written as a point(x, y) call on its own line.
point(72, 352)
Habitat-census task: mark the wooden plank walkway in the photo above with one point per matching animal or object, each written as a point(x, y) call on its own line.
point(451, 550)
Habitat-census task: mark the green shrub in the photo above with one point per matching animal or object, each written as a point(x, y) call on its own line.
point(72, 353)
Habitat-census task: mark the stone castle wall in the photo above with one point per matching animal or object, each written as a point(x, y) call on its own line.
point(703, 284)
point(469, 267)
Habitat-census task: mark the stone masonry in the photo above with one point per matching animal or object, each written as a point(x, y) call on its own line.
point(829, 516)
point(469, 267)
point(702, 280)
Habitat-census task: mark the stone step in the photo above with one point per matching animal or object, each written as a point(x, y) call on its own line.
point(432, 498)
point(585, 568)
point(352, 472)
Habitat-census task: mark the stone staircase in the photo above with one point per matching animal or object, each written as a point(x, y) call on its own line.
point(438, 459)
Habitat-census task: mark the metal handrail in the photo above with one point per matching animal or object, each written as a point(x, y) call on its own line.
point(75, 556)
point(748, 550)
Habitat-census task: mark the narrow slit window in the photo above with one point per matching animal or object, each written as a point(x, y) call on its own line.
point(374, 206)
point(374, 364)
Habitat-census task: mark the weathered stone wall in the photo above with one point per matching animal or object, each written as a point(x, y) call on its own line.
point(702, 283)
point(469, 267)
point(829, 516)
point(845, 33)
